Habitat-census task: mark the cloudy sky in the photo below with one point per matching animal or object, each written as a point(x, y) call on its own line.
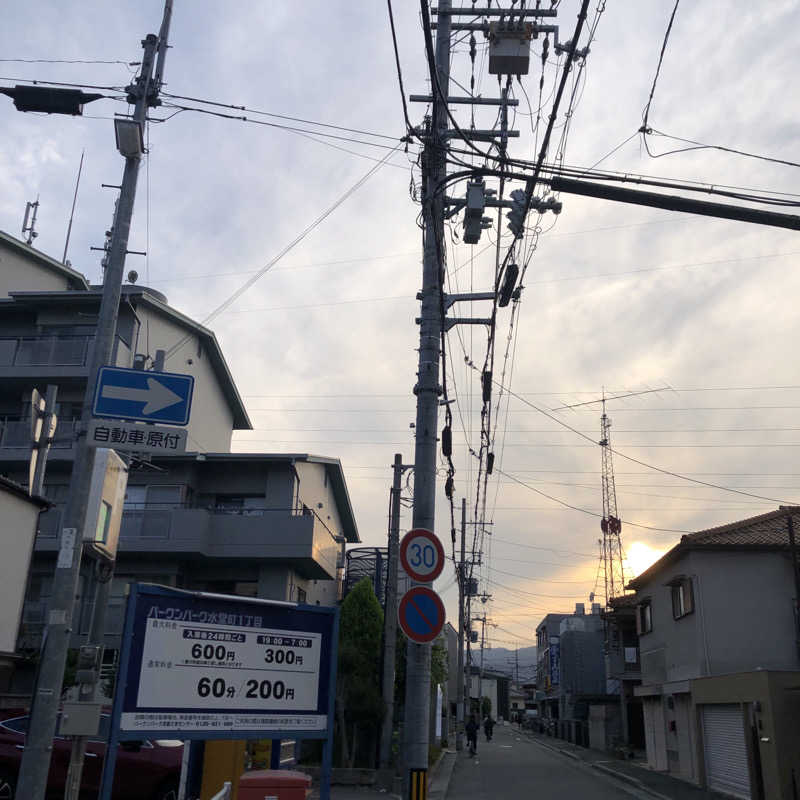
point(618, 297)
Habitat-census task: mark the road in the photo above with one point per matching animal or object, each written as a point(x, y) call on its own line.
point(512, 766)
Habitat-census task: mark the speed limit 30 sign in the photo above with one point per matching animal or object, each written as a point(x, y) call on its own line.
point(422, 555)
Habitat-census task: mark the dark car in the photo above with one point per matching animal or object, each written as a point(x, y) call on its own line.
point(147, 770)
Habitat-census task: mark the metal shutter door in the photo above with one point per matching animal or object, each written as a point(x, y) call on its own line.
point(725, 750)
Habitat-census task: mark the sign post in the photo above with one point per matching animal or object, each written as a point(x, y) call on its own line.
point(206, 666)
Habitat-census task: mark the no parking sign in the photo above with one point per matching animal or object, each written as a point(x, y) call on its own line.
point(421, 614)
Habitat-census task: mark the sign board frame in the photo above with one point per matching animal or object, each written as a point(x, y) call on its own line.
point(409, 541)
point(403, 612)
point(124, 393)
point(176, 610)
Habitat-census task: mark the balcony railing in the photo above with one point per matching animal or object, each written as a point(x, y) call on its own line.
point(297, 536)
point(35, 351)
point(15, 432)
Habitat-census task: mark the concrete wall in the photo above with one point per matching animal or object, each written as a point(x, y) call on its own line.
point(18, 518)
point(316, 488)
point(777, 695)
point(211, 423)
point(19, 273)
point(742, 617)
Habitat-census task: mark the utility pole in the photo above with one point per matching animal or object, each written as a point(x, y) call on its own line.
point(32, 783)
point(390, 617)
point(418, 656)
point(460, 674)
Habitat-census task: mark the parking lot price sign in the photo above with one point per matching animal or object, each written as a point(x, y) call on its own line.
point(203, 665)
point(242, 666)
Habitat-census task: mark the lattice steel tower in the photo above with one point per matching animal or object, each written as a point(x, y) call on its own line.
point(611, 543)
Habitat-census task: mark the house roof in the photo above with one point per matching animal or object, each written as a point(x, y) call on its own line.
point(20, 491)
point(143, 295)
point(75, 280)
point(765, 532)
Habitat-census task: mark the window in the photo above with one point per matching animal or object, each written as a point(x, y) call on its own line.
point(645, 617)
point(682, 598)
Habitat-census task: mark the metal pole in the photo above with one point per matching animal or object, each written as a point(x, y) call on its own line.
point(47, 692)
point(390, 618)
point(796, 570)
point(460, 677)
point(45, 440)
point(77, 756)
point(480, 674)
point(418, 658)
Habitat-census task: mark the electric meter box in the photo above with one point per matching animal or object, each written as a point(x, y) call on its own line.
point(104, 510)
point(510, 48)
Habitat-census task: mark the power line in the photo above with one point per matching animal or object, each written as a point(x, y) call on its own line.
point(646, 112)
point(278, 116)
point(66, 61)
point(299, 238)
point(645, 464)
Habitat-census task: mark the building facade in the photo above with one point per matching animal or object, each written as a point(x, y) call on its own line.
point(254, 524)
point(720, 671)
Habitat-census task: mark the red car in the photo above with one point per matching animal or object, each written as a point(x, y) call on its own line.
point(147, 770)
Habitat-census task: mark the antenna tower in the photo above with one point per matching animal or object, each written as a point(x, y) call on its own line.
point(611, 543)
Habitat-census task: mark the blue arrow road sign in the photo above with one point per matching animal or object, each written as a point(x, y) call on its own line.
point(148, 396)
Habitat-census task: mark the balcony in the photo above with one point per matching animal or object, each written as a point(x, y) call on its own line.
point(15, 433)
point(56, 356)
point(298, 539)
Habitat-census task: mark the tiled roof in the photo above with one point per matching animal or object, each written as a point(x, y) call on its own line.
point(623, 600)
point(765, 530)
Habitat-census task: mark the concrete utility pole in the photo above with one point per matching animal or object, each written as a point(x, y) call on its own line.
point(418, 664)
point(390, 617)
point(32, 782)
point(461, 588)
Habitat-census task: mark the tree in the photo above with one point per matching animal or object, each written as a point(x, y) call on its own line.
point(359, 701)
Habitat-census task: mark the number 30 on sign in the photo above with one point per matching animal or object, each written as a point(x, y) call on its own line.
point(422, 555)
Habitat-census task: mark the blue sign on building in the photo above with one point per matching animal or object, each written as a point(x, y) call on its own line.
point(145, 396)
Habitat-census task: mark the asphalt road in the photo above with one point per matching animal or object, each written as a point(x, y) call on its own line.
point(511, 767)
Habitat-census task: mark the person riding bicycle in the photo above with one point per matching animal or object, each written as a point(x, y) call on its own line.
point(471, 729)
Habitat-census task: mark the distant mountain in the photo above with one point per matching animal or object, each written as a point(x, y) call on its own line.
point(499, 659)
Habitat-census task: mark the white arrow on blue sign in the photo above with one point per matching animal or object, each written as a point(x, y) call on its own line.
point(146, 396)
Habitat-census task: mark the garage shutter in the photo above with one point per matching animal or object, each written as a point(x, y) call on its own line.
point(725, 750)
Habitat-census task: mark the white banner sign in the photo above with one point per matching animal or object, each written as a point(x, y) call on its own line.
point(129, 436)
point(197, 667)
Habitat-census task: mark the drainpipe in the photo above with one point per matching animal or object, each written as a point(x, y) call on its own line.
point(696, 580)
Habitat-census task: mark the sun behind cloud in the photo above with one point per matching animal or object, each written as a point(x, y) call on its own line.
point(639, 556)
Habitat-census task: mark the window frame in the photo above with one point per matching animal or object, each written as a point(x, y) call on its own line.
point(644, 617)
point(681, 596)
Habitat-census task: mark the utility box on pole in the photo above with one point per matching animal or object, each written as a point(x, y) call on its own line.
point(104, 509)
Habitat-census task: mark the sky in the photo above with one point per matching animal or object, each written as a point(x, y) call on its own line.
point(618, 298)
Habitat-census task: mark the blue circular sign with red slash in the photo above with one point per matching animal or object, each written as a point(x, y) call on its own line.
point(421, 614)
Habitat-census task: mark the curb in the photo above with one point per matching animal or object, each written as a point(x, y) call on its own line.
point(441, 773)
point(639, 784)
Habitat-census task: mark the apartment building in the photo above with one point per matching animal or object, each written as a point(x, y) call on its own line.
point(255, 524)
